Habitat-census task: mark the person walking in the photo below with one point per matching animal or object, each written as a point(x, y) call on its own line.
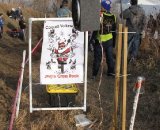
point(1, 24)
point(102, 40)
point(135, 21)
point(64, 10)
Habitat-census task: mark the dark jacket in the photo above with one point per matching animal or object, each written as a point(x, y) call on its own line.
point(135, 18)
point(22, 24)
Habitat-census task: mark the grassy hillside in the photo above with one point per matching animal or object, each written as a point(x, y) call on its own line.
point(11, 49)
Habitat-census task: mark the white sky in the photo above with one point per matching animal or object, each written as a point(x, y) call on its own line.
point(149, 2)
point(143, 2)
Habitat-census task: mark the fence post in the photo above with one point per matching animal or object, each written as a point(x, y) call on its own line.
point(17, 94)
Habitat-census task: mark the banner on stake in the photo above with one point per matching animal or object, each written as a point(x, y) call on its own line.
point(62, 57)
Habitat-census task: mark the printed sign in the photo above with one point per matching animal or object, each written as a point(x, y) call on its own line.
point(62, 58)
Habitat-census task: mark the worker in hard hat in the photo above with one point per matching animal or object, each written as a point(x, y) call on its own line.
point(135, 21)
point(102, 40)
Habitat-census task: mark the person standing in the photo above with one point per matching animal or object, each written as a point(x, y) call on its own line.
point(102, 40)
point(135, 21)
point(64, 10)
point(1, 24)
point(18, 12)
point(12, 13)
point(22, 25)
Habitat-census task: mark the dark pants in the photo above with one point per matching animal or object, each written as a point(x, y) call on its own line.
point(1, 31)
point(108, 52)
point(134, 43)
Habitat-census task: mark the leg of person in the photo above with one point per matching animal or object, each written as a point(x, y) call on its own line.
point(2, 29)
point(108, 48)
point(20, 34)
point(97, 59)
point(136, 45)
point(131, 39)
point(24, 33)
point(0, 32)
point(130, 43)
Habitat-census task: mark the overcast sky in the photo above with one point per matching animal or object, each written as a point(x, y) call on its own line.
point(144, 2)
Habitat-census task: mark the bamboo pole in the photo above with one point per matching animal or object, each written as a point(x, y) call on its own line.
point(124, 72)
point(117, 78)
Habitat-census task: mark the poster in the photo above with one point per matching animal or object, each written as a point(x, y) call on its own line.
point(62, 57)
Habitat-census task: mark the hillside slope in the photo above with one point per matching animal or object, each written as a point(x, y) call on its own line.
point(147, 65)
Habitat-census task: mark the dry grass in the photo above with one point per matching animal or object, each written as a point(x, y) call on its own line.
point(147, 118)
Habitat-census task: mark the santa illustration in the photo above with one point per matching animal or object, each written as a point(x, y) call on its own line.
point(63, 53)
point(62, 49)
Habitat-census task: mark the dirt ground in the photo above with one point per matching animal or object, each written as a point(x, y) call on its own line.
point(148, 111)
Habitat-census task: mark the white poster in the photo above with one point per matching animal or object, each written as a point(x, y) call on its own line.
point(62, 58)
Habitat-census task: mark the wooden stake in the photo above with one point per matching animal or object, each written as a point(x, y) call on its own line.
point(124, 72)
point(117, 78)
